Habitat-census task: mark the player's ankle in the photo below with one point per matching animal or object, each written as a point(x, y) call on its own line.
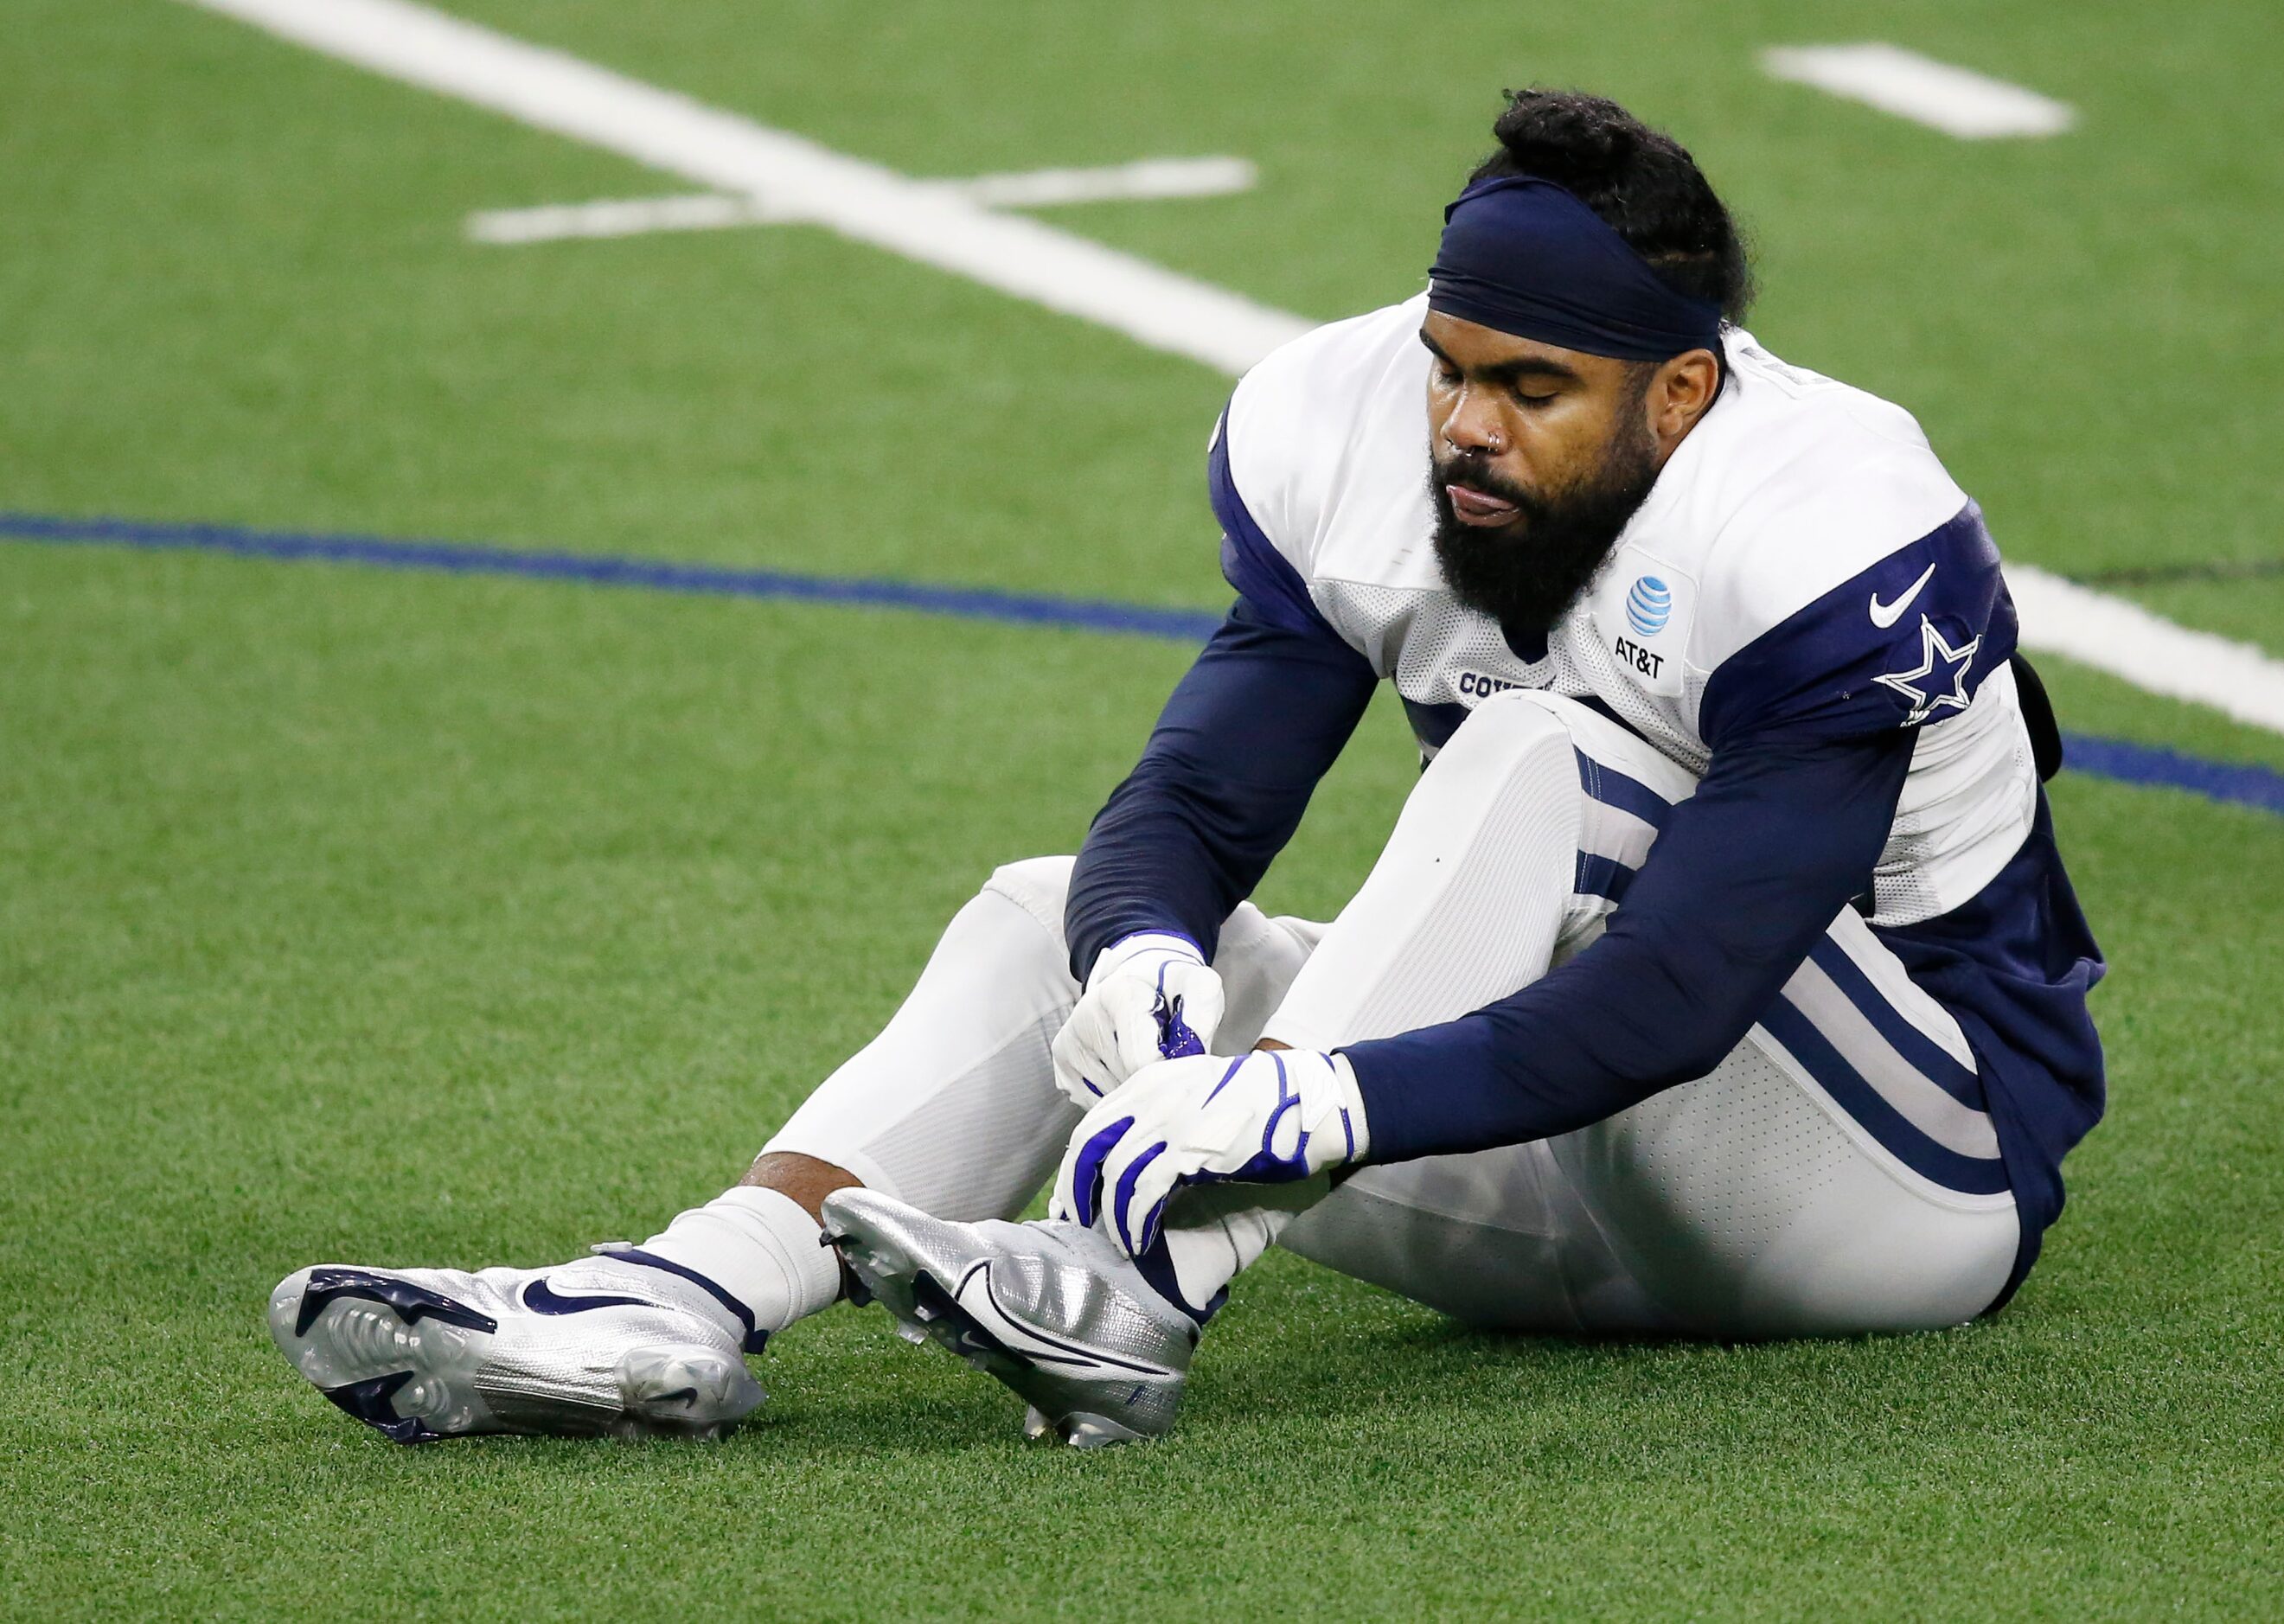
point(805, 1180)
point(1198, 1294)
point(760, 1247)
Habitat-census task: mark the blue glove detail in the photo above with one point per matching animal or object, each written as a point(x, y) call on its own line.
point(1269, 1117)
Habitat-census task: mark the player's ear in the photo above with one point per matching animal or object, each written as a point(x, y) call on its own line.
point(1681, 392)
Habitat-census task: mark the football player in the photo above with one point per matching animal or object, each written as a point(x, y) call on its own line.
point(1719, 979)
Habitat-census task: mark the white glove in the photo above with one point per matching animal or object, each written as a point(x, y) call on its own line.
point(1267, 1117)
point(1149, 997)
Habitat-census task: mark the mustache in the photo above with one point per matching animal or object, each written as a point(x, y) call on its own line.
point(1471, 470)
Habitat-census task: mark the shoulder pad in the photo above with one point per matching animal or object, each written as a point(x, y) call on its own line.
point(1906, 641)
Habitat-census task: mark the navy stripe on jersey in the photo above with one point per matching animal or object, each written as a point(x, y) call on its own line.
point(1979, 1175)
point(1598, 873)
point(1250, 562)
point(1744, 879)
point(1603, 877)
point(1927, 1057)
point(1613, 788)
point(1908, 642)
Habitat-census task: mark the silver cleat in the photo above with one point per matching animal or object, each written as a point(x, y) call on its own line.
point(1054, 1311)
point(594, 1347)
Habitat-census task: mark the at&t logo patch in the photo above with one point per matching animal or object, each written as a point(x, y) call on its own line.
point(1649, 605)
point(1643, 610)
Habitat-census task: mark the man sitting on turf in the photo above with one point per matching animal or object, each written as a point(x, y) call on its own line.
point(1720, 977)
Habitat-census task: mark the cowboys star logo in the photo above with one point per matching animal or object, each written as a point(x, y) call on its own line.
point(1925, 696)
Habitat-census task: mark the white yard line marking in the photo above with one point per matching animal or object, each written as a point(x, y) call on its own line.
point(2123, 638)
point(1149, 178)
point(1156, 307)
point(783, 172)
point(1955, 100)
point(708, 211)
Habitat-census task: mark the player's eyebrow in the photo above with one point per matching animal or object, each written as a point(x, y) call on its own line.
point(1505, 371)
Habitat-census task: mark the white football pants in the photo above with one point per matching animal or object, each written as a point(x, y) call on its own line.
point(1836, 1172)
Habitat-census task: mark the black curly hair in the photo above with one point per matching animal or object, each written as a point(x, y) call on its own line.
point(1641, 183)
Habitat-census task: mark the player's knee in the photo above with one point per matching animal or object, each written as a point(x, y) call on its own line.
point(1508, 736)
point(1516, 718)
point(1512, 767)
point(1039, 885)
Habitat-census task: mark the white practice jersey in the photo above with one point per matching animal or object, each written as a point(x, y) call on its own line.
point(1803, 569)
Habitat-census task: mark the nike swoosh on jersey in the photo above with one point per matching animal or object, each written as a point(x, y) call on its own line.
point(1884, 615)
point(541, 1298)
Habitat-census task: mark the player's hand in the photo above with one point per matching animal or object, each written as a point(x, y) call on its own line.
point(1263, 1118)
point(1148, 998)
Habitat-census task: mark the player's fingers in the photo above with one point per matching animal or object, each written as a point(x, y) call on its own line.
point(1080, 1186)
point(1079, 1070)
point(1064, 1203)
point(1137, 1040)
point(1088, 1046)
point(1124, 1189)
point(1064, 1049)
point(1156, 1187)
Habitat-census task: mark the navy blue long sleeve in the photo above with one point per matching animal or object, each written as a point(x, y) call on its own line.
point(1221, 786)
point(1746, 875)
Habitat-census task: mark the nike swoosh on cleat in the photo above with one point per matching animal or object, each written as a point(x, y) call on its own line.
point(1024, 1342)
point(1884, 615)
point(541, 1298)
point(409, 1303)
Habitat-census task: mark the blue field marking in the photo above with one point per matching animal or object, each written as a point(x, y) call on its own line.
point(2238, 783)
point(2242, 782)
point(456, 558)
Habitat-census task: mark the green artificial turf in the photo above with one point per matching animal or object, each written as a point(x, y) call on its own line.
point(405, 918)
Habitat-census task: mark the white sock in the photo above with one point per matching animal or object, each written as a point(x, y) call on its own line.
point(1217, 1234)
point(760, 1247)
point(1207, 1259)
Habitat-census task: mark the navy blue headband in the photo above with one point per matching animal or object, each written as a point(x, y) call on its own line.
point(1524, 257)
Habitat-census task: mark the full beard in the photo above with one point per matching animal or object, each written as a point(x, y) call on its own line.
point(1526, 573)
